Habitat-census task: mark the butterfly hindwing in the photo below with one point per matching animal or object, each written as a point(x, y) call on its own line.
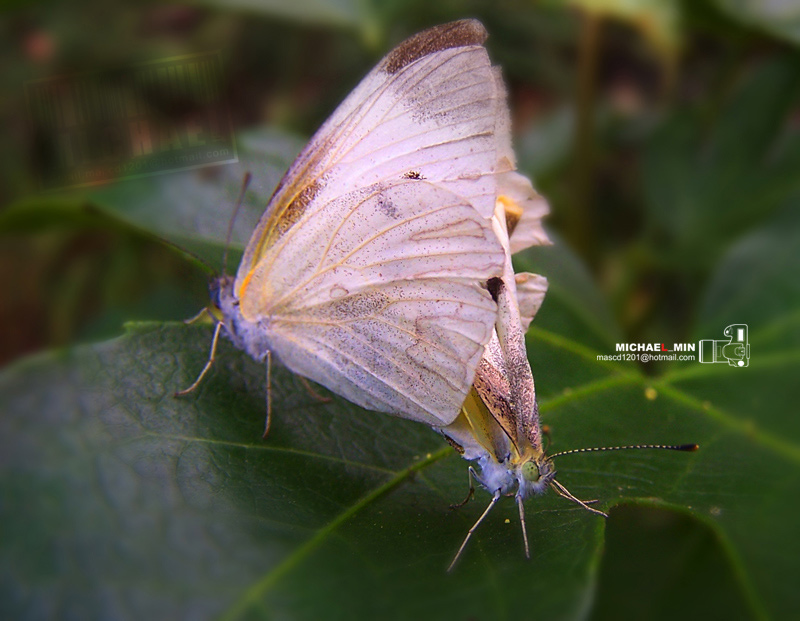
point(383, 300)
point(531, 289)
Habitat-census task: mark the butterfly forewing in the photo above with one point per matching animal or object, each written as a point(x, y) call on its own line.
point(428, 110)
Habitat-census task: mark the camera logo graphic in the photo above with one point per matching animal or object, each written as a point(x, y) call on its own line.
point(735, 351)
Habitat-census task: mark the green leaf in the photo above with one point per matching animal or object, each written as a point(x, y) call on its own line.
point(127, 499)
point(779, 18)
point(192, 208)
point(120, 500)
point(189, 209)
point(659, 565)
point(753, 284)
point(574, 304)
point(123, 500)
point(754, 406)
point(547, 144)
point(704, 189)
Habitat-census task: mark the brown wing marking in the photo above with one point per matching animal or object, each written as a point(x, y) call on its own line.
point(455, 34)
point(283, 218)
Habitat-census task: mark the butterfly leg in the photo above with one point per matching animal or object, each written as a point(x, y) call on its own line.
point(495, 498)
point(312, 392)
point(471, 492)
point(573, 499)
point(564, 492)
point(524, 527)
point(211, 357)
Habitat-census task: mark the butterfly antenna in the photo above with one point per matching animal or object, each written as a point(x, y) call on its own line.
point(565, 493)
point(524, 527)
point(245, 182)
point(495, 498)
point(206, 266)
point(689, 448)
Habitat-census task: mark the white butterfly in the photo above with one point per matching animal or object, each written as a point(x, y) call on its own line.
point(367, 272)
point(499, 423)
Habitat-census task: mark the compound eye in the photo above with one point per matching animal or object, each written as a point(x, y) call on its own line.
point(530, 472)
point(215, 290)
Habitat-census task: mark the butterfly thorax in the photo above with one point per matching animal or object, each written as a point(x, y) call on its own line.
point(250, 336)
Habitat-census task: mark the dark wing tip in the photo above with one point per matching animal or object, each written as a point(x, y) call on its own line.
point(454, 34)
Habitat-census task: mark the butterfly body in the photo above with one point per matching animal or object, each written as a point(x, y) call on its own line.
point(501, 433)
point(522, 476)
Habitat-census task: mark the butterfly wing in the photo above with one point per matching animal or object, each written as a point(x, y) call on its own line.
point(524, 208)
point(381, 300)
point(428, 110)
point(531, 289)
point(504, 382)
point(378, 293)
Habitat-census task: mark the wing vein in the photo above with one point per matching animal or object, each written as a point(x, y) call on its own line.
point(342, 262)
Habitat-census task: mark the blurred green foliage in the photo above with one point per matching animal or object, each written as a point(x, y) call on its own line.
point(664, 134)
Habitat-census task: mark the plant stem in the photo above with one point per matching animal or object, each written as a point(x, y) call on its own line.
point(579, 223)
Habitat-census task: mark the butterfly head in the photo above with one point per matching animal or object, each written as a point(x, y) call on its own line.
point(215, 288)
point(220, 290)
point(534, 474)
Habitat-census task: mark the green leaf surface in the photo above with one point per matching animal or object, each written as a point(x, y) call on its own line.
point(122, 501)
point(754, 406)
point(705, 188)
point(151, 505)
point(781, 18)
point(576, 307)
point(192, 208)
point(659, 565)
point(753, 284)
point(189, 209)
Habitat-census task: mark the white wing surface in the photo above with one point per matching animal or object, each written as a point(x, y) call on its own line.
point(428, 110)
point(385, 305)
point(531, 289)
